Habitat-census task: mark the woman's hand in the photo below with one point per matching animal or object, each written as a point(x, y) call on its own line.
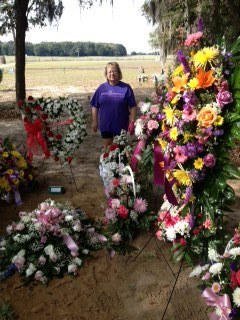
point(131, 128)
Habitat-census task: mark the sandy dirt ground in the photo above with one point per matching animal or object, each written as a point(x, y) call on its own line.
point(133, 287)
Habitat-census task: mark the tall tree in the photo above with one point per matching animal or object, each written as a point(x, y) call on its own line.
point(16, 16)
point(175, 19)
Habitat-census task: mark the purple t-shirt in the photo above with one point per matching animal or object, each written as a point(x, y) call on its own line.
point(113, 103)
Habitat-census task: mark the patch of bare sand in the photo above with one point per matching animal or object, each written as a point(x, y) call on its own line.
point(123, 288)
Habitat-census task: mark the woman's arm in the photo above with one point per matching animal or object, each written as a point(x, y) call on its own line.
point(94, 119)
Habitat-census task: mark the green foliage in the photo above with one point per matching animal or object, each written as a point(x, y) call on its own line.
point(6, 311)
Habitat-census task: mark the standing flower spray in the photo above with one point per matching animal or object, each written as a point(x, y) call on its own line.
point(188, 128)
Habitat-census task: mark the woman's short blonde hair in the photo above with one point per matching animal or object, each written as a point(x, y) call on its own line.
point(116, 65)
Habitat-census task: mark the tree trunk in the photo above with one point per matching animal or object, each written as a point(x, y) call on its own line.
point(21, 27)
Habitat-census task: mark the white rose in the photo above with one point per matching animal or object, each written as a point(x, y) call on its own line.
point(30, 270)
point(72, 268)
point(49, 249)
point(68, 218)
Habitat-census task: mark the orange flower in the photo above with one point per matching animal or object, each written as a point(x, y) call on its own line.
point(180, 83)
point(206, 116)
point(205, 79)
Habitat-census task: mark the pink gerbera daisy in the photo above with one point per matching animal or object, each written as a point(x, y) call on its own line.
point(140, 205)
point(179, 155)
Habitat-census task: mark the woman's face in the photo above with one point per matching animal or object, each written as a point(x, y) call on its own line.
point(112, 75)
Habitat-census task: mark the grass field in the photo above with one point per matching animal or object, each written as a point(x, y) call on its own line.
point(83, 72)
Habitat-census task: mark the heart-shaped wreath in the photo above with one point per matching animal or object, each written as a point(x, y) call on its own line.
point(54, 127)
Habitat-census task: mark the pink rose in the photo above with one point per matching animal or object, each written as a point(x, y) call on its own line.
point(209, 160)
point(122, 211)
point(224, 97)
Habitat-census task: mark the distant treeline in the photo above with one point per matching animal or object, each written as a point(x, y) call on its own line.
point(66, 49)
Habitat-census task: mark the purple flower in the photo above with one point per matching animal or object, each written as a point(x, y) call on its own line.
point(233, 266)
point(224, 97)
point(209, 160)
point(182, 59)
point(191, 150)
point(188, 195)
point(218, 132)
point(200, 25)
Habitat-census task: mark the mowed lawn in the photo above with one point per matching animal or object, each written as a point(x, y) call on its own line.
point(86, 72)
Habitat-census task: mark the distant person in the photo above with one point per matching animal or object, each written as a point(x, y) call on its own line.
point(114, 104)
point(141, 70)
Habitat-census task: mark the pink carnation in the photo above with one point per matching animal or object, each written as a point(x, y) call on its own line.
point(193, 39)
point(152, 124)
point(140, 205)
point(122, 211)
point(154, 109)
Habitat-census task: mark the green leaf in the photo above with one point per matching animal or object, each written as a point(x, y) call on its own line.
point(232, 170)
point(229, 195)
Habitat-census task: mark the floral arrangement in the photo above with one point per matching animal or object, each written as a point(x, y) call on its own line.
point(49, 241)
point(187, 129)
point(15, 171)
point(221, 281)
point(126, 210)
point(54, 127)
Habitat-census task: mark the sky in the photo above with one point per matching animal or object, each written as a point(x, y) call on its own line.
point(123, 23)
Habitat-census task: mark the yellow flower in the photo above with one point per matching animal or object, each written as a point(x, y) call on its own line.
point(176, 98)
point(21, 163)
point(16, 181)
point(186, 137)
point(198, 163)
point(30, 177)
point(21, 173)
point(5, 154)
point(169, 112)
point(202, 57)
point(193, 83)
point(174, 133)
point(178, 70)
point(16, 154)
point(162, 143)
point(182, 177)
point(218, 121)
point(4, 184)
point(9, 171)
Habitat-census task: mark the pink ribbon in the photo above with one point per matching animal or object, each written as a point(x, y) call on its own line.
point(221, 302)
point(160, 168)
point(136, 153)
point(70, 243)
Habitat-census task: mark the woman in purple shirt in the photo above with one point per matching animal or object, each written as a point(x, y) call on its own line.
point(114, 105)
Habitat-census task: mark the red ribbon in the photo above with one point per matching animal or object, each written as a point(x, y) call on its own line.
point(35, 139)
point(160, 168)
point(221, 302)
